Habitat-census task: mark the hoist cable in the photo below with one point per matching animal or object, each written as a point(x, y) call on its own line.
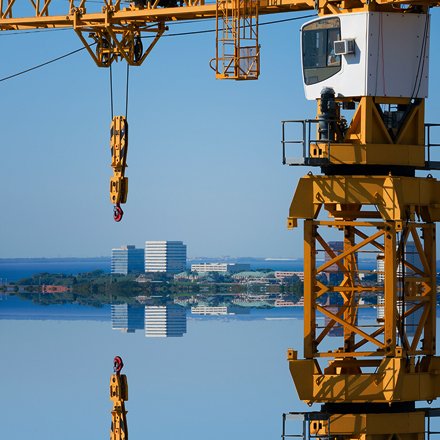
point(42, 64)
point(126, 91)
point(111, 90)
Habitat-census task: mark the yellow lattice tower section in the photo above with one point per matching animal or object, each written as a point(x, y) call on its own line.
point(237, 48)
point(368, 376)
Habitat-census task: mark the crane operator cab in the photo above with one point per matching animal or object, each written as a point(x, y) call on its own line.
point(366, 54)
point(375, 63)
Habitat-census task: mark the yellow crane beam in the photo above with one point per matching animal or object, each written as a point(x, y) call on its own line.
point(110, 13)
point(113, 15)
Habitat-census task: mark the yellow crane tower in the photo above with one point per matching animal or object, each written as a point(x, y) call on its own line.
point(370, 58)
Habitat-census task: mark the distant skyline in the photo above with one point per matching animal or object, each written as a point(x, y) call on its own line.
point(220, 258)
point(204, 158)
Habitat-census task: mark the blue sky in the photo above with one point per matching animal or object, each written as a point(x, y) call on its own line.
point(204, 155)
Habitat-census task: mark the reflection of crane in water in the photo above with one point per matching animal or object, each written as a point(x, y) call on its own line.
point(118, 395)
point(367, 57)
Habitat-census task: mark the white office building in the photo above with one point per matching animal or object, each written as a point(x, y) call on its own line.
point(165, 256)
point(127, 259)
point(220, 267)
point(165, 321)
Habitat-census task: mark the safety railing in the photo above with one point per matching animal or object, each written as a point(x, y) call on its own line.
point(312, 425)
point(316, 152)
point(315, 425)
point(432, 429)
point(306, 141)
point(430, 163)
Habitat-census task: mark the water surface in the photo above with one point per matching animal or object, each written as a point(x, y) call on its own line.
point(225, 378)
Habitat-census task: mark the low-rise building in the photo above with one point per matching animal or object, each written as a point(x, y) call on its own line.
point(209, 310)
point(281, 275)
point(219, 267)
point(254, 277)
point(50, 288)
point(185, 276)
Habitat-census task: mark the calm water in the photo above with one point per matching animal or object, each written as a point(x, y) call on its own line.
point(226, 378)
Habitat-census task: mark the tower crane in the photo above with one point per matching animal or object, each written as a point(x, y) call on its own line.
point(367, 58)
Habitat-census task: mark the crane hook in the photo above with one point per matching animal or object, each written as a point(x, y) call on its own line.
point(117, 364)
point(117, 212)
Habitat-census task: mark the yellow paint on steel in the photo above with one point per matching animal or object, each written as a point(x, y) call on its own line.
point(118, 395)
point(399, 377)
point(134, 16)
point(402, 426)
point(368, 140)
point(238, 49)
point(393, 197)
point(392, 381)
point(118, 148)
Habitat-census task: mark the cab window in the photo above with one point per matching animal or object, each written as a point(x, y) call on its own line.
point(319, 59)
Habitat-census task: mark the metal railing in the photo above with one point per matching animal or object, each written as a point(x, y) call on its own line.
point(429, 414)
point(306, 141)
point(305, 418)
point(302, 141)
point(430, 164)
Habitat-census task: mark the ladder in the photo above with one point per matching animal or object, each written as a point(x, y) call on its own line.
point(237, 48)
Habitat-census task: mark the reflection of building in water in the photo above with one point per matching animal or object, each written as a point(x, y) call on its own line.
point(127, 259)
point(209, 310)
point(165, 321)
point(336, 329)
point(410, 321)
point(218, 310)
point(165, 256)
point(333, 272)
point(127, 318)
point(50, 288)
point(411, 256)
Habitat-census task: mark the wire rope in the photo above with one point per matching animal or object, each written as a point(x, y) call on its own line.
point(126, 91)
point(38, 66)
point(111, 91)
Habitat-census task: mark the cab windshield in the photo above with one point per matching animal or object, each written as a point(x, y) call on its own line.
point(319, 59)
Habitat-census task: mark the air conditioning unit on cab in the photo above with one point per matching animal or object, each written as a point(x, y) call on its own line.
point(344, 47)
